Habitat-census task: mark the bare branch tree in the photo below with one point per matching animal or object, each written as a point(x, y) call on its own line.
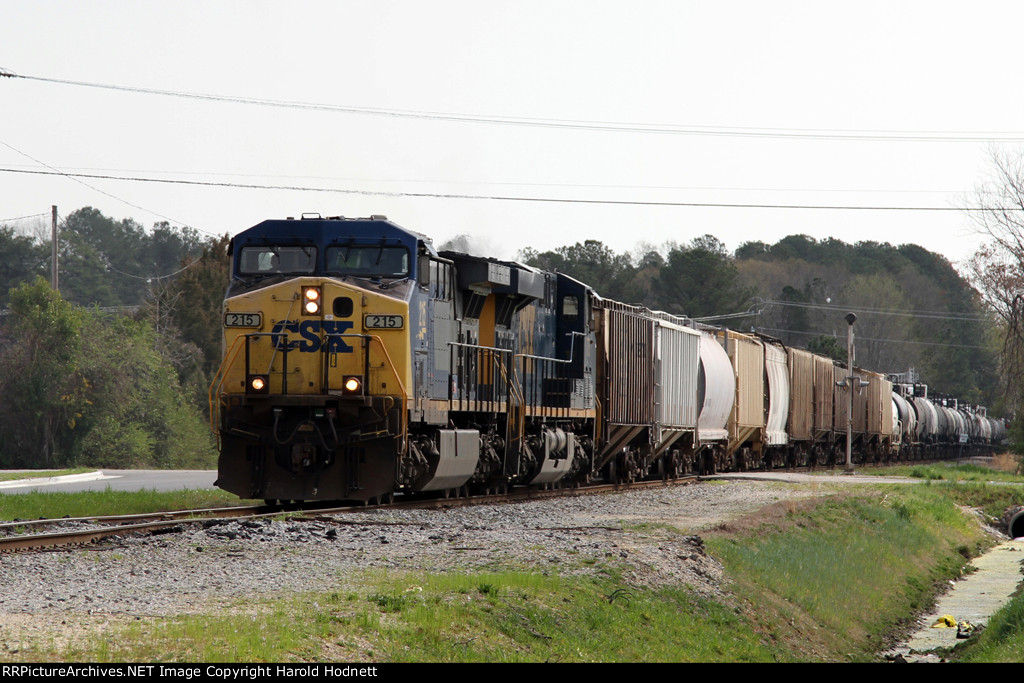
point(998, 267)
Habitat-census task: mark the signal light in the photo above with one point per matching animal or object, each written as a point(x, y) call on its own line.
point(257, 384)
point(311, 300)
point(352, 385)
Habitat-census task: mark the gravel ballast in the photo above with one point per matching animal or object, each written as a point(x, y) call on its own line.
point(207, 566)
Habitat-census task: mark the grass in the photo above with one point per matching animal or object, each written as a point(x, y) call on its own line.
point(53, 504)
point(411, 617)
point(962, 472)
point(840, 577)
point(1004, 469)
point(825, 580)
point(991, 499)
point(32, 474)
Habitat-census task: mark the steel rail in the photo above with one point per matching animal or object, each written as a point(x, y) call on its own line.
point(120, 525)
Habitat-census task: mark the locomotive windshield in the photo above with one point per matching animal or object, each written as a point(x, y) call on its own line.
point(272, 259)
point(368, 261)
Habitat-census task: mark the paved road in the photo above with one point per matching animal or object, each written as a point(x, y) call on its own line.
point(116, 480)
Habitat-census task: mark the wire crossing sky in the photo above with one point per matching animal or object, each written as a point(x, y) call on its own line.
point(630, 123)
point(608, 126)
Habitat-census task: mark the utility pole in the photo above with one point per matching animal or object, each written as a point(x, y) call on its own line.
point(850, 384)
point(54, 284)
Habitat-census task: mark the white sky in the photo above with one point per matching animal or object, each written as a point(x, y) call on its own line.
point(927, 67)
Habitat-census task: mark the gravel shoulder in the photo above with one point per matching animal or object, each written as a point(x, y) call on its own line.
point(207, 567)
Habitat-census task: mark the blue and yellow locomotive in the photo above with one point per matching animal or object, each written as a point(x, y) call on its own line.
point(359, 362)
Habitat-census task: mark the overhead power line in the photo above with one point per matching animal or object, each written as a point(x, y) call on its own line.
point(728, 316)
point(505, 198)
point(874, 339)
point(63, 222)
point(77, 178)
point(942, 315)
point(506, 183)
point(583, 125)
point(21, 218)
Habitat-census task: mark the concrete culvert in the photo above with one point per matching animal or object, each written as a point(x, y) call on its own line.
point(1013, 520)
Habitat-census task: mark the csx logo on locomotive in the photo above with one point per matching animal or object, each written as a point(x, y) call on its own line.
point(311, 341)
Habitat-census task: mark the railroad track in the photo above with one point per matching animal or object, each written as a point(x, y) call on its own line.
point(101, 527)
point(35, 534)
point(13, 536)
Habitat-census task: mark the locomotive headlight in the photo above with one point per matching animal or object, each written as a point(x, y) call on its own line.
point(352, 385)
point(311, 300)
point(257, 384)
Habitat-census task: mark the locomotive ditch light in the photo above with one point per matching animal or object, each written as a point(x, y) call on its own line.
point(310, 300)
point(352, 385)
point(257, 384)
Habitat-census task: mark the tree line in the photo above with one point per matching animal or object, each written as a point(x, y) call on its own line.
point(84, 385)
point(915, 311)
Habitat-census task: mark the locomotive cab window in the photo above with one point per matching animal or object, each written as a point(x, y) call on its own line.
point(570, 307)
point(272, 260)
point(440, 280)
point(368, 261)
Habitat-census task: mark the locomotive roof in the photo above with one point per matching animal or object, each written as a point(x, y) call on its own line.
point(333, 229)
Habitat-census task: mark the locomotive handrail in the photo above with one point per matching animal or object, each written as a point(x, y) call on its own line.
point(479, 346)
point(404, 430)
point(229, 360)
point(543, 358)
point(492, 353)
point(231, 356)
point(404, 435)
point(222, 372)
point(376, 338)
point(572, 349)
